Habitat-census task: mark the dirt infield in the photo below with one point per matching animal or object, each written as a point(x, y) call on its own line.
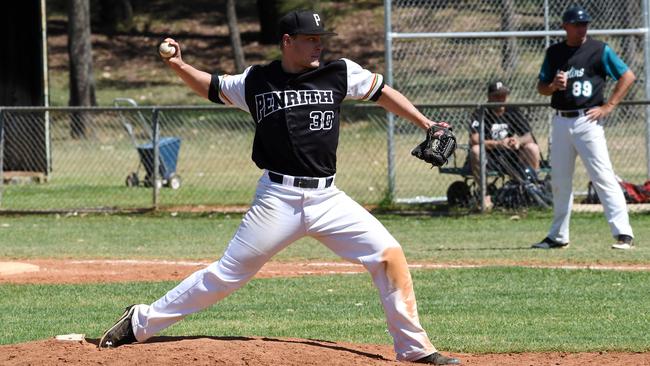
point(202, 350)
point(55, 271)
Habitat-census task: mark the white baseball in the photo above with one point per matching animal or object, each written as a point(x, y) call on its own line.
point(166, 50)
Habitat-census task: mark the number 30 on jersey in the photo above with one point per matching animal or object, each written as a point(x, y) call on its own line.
point(582, 88)
point(321, 120)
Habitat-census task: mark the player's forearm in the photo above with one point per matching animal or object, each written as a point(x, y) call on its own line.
point(197, 80)
point(621, 88)
point(546, 88)
point(489, 144)
point(395, 102)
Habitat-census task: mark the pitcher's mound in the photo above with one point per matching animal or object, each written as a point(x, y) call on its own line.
point(239, 351)
point(233, 351)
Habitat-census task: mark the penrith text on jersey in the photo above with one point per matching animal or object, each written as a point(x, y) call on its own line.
point(274, 101)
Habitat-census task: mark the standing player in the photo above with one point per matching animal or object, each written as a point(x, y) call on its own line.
point(295, 104)
point(574, 73)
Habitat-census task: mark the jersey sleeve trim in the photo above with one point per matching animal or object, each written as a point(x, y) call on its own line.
point(375, 88)
point(223, 96)
point(361, 83)
point(213, 91)
point(614, 66)
point(229, 90)
point(545, 74)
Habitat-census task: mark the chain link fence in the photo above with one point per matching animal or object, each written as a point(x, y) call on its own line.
point(437, 51)
point(446, 51)
point(92, 155)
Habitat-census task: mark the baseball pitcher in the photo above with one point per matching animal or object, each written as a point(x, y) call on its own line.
point(295, 104)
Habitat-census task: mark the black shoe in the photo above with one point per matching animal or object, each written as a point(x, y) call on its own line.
point(438, 359)
point(549, 243)
point(121, 332)
point(623, 242)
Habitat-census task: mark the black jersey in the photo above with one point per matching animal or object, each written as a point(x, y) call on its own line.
point(497, 127)
point(296, 115)
point(587, 67)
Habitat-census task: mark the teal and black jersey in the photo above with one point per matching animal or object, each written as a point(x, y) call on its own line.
point(587, 66)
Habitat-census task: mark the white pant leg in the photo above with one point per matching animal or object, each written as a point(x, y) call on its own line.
point(592, 147)
point(354, 234)
point(273, 222)
point(563, 157)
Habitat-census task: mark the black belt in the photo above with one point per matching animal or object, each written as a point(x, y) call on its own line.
point(301, 182)
point(572, 114)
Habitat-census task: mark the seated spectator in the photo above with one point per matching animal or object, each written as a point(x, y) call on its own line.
point(508, 139)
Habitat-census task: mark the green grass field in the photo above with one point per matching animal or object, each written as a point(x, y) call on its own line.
point(477, 310)
point(490, 309)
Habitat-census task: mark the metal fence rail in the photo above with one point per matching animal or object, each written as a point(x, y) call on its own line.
point(88, 169)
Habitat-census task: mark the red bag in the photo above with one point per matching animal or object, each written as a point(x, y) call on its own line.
point(633, 193)
point(645, 190)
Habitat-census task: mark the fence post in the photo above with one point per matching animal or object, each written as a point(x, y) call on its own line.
point(391, 156)
point(646, 65)
point(482, 157)
point(389, 81)
point(2, 154)
point(156, 157)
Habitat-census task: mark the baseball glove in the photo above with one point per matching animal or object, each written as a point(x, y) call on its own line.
point(438, 146)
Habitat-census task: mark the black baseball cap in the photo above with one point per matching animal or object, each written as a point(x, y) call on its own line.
point(498, 87)
point(576, 14)
point(303, 22)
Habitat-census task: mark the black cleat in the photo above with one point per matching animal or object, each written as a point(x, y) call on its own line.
point(121, 332)
point(549, 243)
point(438, 359)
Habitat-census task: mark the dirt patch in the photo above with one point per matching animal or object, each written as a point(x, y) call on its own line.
point(237, 351)
point(53, 271)
point(60, 271)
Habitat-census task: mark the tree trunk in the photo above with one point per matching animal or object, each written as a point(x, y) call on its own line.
point(509, 50)
point(22, 84)
point(116, 15)
point(82, 82)
point(235, 39)
point(269, 15)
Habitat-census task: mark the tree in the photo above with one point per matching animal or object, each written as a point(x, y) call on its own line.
point(82, 82)
point(269, 14)
point(115, 15)
point(235, 39)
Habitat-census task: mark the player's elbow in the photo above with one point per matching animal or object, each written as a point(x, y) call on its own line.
point(541, 88)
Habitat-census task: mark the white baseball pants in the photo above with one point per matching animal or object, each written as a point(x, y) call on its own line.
point(580, 136)
point(279, 215)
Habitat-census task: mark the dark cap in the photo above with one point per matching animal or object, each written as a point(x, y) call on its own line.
point(498, 87)
point(303, 22)
point(576, 14)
